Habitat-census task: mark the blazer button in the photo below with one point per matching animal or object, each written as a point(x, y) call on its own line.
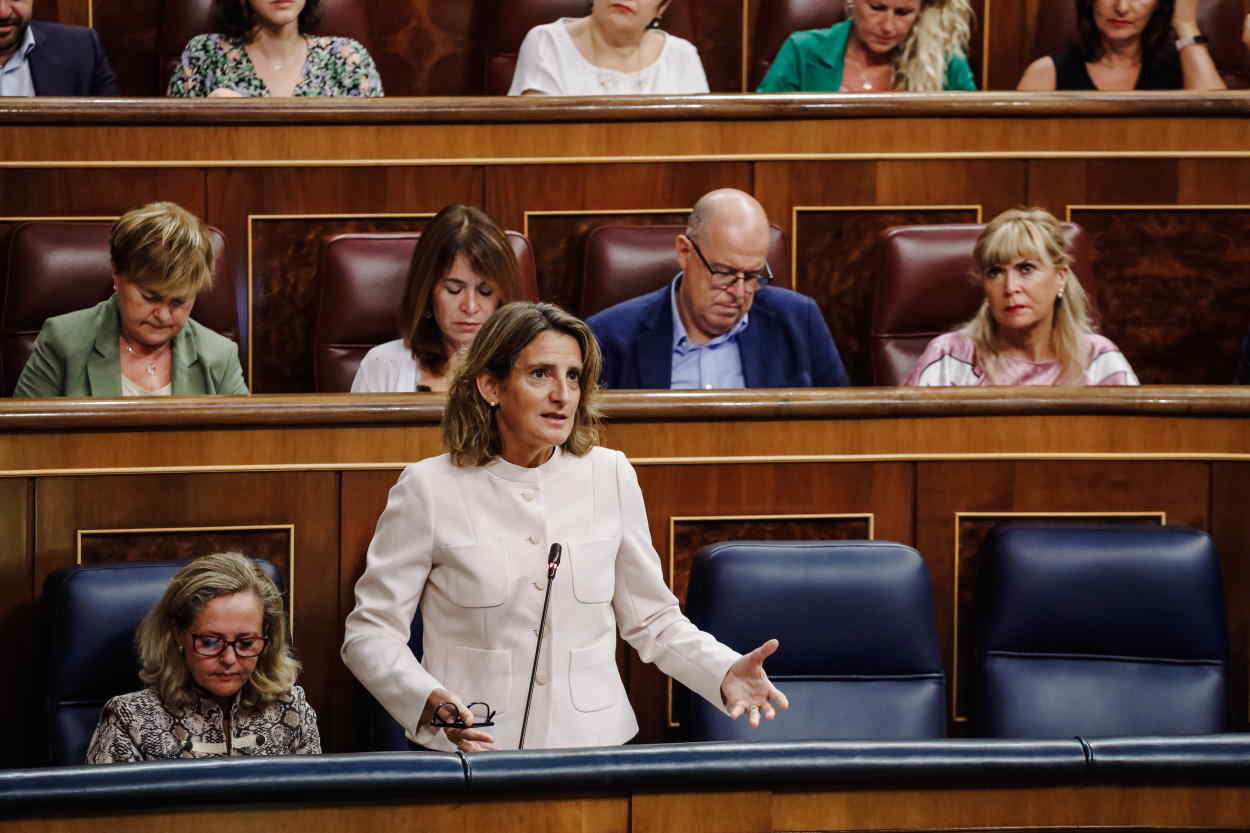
point(541, 678)
point(538, 585)
point(533, 539)
point(527, 496)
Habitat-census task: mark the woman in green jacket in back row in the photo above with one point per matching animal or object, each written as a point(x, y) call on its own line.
point(882, 46)
point(140, 341)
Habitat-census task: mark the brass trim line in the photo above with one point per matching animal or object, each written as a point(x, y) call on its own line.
point(1218, 457)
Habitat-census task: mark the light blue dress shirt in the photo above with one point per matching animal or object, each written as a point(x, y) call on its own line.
point(717, 364)
point(15, 77)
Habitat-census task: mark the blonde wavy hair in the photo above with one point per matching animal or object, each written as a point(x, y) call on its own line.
point(470, 429)
point(1035, 234)
point(194, 586)
point(942, 29)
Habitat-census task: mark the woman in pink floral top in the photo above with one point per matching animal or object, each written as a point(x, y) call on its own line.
point(264, 49)
point(1033, 327)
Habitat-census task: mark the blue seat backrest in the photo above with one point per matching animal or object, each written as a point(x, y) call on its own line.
point(90, 615)
point(859, 656)
point(1099, 631)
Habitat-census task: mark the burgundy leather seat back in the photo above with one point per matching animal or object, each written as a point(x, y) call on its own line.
point(58, 266)
point(623, 262)
point(513, 19)
point(1055, 29)
point(925, 288)
point(362, 277)
point(777, 20)
point(182, 20)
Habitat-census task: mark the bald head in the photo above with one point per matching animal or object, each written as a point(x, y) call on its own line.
point(733, 212)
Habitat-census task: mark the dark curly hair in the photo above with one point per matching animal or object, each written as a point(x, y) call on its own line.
point(236, 20)
point(1156, 39)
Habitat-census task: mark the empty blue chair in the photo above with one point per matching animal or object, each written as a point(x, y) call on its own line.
point(90, 615)
point(1099, 631)
point(859, 655)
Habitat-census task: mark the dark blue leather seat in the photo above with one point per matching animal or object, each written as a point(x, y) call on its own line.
point(859, 656)
point(90, 615)
point(1100, 631)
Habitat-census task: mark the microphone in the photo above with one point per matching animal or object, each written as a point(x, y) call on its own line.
point(553, 563)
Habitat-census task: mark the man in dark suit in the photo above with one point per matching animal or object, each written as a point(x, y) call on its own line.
point(39, 58)
point(719, 324)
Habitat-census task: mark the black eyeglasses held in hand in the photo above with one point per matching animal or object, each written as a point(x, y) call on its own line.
point(447, 716)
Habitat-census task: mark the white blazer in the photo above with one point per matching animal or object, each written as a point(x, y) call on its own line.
point(470, 544)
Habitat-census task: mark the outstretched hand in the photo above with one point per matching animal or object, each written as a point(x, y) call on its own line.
point(746, 688)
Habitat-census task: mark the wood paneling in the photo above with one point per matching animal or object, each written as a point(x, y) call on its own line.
point(1146, 261)
point(836, 250)
point(254, 208)
point(727, 456)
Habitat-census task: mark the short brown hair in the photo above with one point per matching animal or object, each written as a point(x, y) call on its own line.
point(456, 230)
point(195, 585)
point(164, 248)
point(470, 431)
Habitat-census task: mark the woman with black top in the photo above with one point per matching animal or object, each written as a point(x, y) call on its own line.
point(1130, 45)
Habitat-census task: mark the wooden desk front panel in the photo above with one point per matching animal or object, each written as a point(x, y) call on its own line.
point(934, 482)
point(1162, 184)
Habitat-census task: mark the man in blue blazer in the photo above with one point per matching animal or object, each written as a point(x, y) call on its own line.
point(40, 58)
point(719, 324)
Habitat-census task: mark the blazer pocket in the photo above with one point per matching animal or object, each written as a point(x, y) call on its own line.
point(482, 676)
point(594, 681)
point(476, 576)
point(594, 570)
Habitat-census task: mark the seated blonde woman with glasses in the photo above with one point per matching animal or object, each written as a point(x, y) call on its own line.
point(219, 674)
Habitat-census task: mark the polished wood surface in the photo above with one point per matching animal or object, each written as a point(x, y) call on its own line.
point(926, 467)
point(771, 808)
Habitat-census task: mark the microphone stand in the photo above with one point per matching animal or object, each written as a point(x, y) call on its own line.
point(553, 562)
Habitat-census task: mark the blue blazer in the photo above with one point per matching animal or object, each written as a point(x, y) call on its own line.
point(786, 344)
point(69, 61)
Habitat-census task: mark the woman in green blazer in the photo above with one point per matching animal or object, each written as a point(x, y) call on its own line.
point(141, 341)
point(883, 46)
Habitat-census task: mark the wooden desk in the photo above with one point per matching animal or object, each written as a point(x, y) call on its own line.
point(1161, 182)
point(302, 480)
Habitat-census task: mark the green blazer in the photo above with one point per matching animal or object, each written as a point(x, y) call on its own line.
point(811, 62)
point(76, 354)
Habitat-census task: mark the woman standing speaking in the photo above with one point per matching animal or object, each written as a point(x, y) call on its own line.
point(466, 536)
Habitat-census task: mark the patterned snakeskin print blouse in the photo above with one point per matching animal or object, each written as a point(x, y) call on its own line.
point(334, 67)
point(137, 727)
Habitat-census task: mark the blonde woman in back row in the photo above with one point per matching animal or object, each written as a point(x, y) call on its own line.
point(1033, 327)
point(882, 46)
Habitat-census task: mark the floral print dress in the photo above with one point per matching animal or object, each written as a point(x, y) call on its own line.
point(334, 67)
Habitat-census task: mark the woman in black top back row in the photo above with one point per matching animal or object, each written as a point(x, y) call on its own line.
point(1130, 45)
